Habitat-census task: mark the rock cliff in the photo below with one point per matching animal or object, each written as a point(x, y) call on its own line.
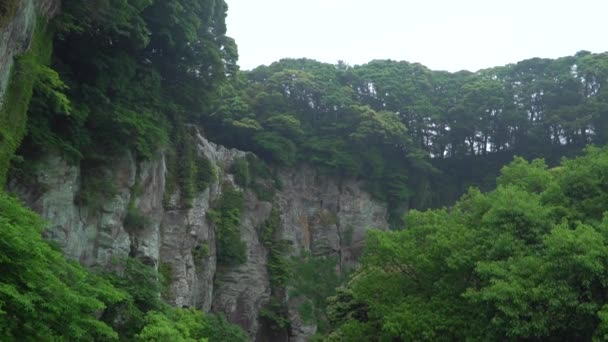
point(16, 35)
point(320, 214)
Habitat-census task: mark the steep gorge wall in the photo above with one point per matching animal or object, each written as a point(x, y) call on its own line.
point(16, 35)
point(320, 214)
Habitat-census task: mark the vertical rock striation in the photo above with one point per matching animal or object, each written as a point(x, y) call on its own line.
point(321, 214)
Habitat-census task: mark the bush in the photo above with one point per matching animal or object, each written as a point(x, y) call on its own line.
point(193, 173)
point(275, 315)
point(226, 215)
point(96, 186)
point(314, 279)
point(25, 73)
point(279, 266)
point(205, 173)
point(240, 169)
point(200, 252)
point(165, 271)
point(135, 220)
point(251, 172)
point(43, 296)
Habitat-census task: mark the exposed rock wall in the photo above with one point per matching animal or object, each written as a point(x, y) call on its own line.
point(16, 36)
point(319, 213)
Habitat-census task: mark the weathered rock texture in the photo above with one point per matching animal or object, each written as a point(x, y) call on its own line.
point(16, 36)
point(319, 213)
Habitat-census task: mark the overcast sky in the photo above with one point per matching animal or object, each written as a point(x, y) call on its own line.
point(441, 34)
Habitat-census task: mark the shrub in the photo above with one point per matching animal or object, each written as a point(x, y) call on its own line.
point(43, 296)
point(96, 186)
point(165, 271)
point(193, 173)
point(205, 173)
point(135, 220)
point(251, 172)
point(275, 315)
point(240, 170)
point(25, 73)
point(226, 215)
point(200, 252)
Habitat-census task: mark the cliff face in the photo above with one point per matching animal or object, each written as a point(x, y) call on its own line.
point(320, 214)
point(15, 37)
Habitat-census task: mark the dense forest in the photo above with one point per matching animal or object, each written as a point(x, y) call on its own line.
point(523, 255)
point(527, 261)
point(412, 133)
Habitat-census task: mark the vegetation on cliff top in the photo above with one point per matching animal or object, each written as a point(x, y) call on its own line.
point(525, 261)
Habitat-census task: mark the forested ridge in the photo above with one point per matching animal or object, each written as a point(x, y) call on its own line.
point(412, 133)
point(525, 258)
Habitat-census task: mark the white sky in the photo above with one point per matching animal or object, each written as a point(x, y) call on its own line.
point(441, 34)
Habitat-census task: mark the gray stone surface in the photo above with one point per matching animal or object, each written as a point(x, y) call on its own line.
point(320, 214)
point(16, 36)
point(327, 217)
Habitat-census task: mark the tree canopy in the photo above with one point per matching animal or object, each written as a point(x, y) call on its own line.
point(526, 261)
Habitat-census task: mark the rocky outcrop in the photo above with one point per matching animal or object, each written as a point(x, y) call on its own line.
point(328, 217)
point(94, 233)
point(319, 213)
point(242, 291)
point(16, 35)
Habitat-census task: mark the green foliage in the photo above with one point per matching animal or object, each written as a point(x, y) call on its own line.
point(226, 216)
point(142, 285)
point(251, 172)
point(181, 326)
point(96, 186)
point(579, 189)
point(240, 169)
point(187, 169)
point(201, 251)
point(165, 271)
point(275, 315)
point(28, 69)
point(533, 177)
point(279, 266)
point(135, 220)
point(219, 330)
point(526, 261)
point(43, 296)
point(205, 173)
point(314, 279)
point(188, 325)
point(276, 147)
point(114, 86)
point(142, 316)
point(419, 138)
